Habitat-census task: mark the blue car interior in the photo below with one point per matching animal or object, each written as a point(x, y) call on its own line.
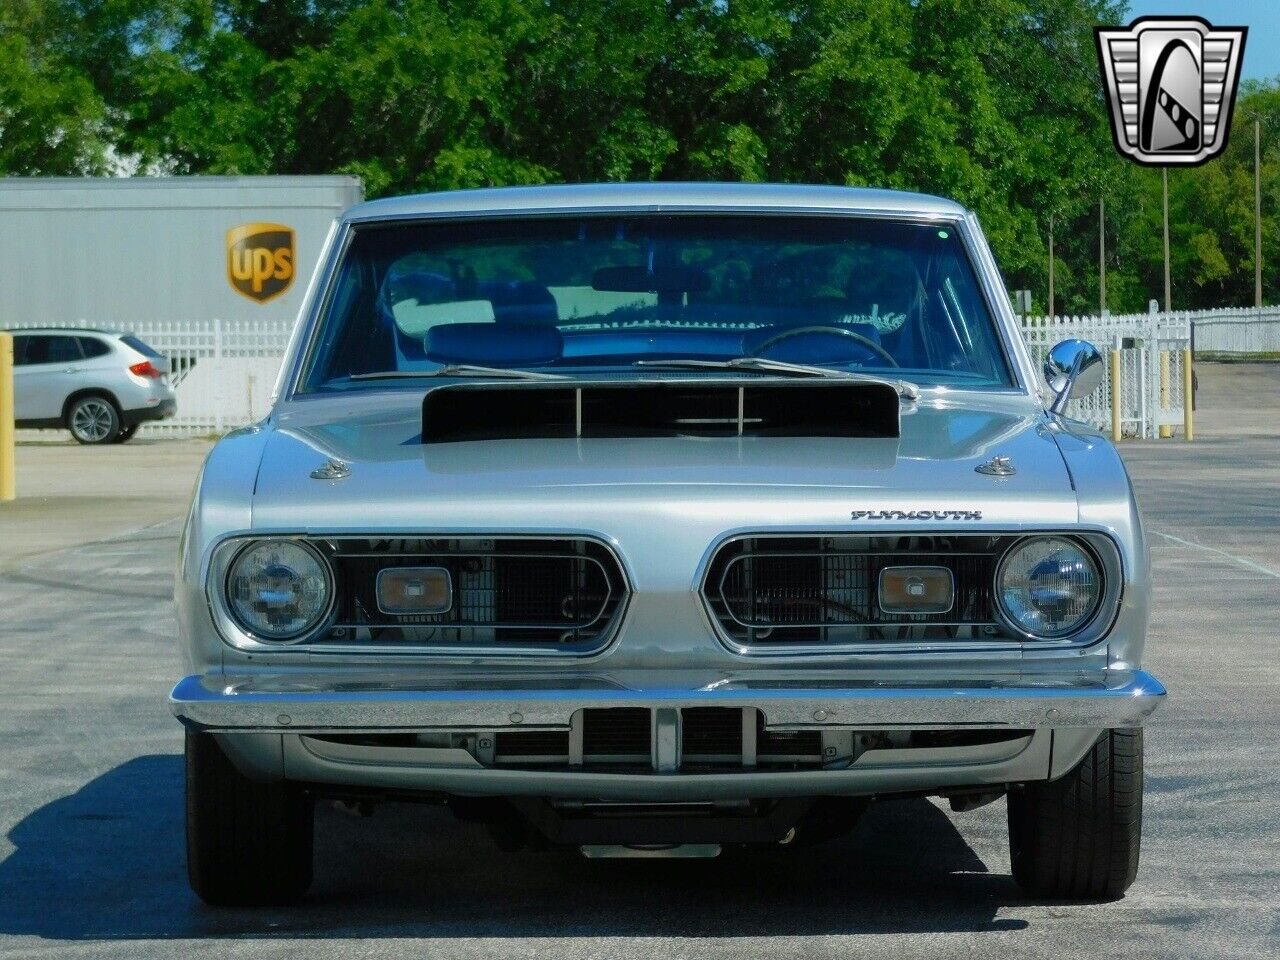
point(524, 331)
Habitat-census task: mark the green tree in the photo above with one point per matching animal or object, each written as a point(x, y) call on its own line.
point(998, 104)
point(52, 120)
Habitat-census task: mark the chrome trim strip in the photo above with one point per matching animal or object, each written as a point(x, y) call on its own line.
point(287, 704)
point(320, 293)
point(1017, 356)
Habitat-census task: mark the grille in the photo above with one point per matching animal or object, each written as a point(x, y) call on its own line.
point(791, 746)
point(616, 735)
point(774, 591)
point(621, 739)
point(549, 746)
point(709, 732)
point(563, 594)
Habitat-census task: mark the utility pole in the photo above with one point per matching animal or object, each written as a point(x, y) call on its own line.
point(1168, 298)
point(1257, 213)
point(1102, 256)
point(1050, 312)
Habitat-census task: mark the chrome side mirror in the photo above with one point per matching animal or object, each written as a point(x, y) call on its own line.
point(1073, 369)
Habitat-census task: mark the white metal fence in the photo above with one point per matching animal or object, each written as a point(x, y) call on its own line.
point(1237, 330)
point(1150, 349)
point(223, 370)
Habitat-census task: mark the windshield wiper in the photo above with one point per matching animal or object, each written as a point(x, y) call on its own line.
point(905, 388)
point(457, 370)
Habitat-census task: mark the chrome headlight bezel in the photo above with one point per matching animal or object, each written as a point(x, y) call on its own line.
point(231, 626)
point(1102, 553)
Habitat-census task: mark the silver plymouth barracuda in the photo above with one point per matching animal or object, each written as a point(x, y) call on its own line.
point(657, 520)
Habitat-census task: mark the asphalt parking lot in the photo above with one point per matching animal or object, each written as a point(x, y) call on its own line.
point(91, 852)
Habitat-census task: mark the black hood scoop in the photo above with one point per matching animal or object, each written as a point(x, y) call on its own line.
point(659, 408)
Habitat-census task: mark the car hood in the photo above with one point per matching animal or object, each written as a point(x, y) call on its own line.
point(702, 487)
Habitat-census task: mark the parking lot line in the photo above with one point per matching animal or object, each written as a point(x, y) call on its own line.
point(1243, 561)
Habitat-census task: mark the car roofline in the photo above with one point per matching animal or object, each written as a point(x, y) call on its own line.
point(68, 330)
point(658, 197)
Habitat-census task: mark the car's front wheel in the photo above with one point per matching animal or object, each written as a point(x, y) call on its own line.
point(93, 419)
point(1078, 837)
point(248, 843)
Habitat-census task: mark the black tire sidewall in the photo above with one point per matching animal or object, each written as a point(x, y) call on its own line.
point(1079, 837)
point(248, 843)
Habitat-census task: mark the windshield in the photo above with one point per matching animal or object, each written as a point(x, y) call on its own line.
point(597, 293)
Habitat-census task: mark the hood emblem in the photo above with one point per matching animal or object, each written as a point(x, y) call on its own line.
point(332, 470)
point(997, 467)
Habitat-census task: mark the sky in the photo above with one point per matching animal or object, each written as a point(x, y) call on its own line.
point(1262, 17)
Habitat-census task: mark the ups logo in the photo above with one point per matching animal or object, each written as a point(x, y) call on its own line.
point(260, 260)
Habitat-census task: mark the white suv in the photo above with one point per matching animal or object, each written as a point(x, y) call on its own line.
point(99, 385)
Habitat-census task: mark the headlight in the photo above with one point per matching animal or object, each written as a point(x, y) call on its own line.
point(278, 589)
point(1048, 587)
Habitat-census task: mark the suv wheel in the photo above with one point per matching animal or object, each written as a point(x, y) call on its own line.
point(248, 843)
point(1077, 837)
point(93, 419)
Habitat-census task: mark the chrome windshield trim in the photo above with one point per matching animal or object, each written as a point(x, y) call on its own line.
point(1017, 360)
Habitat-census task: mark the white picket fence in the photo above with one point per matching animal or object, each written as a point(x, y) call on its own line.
point(1151, 349)
point(1237, 330)
point(224, 370)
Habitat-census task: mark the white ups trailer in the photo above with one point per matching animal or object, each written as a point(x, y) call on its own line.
point(129, 252)
point(210, 271)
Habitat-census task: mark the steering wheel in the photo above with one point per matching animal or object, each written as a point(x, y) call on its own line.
point(823, 328)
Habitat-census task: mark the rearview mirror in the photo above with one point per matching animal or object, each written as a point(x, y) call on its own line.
point(1073, 369)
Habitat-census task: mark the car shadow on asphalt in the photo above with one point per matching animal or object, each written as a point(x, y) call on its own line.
point(107, 862)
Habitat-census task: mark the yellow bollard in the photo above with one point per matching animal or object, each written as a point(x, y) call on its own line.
point(1115, 396)
point(1186, 395)
point(8, 482)
point(1166, 431)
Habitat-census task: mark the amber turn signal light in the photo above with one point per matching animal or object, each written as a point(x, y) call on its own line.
point(916, 590)
point(414, 590)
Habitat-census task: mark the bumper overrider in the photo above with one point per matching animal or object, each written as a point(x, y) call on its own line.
point(298, 704)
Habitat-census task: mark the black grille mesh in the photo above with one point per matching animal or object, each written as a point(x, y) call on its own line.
point(711, 731)
point(825, 589)
point(558, 593)
point(618, 732)
point(532, 743)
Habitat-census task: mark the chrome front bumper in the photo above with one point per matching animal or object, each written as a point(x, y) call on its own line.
point(300, 704)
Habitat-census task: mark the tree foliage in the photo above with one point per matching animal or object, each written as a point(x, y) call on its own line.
point(52, 120)
point(997, 104)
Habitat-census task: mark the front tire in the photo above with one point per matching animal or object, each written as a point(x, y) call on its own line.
point(93, 420)
point(1078, 837)
point(248, 843)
